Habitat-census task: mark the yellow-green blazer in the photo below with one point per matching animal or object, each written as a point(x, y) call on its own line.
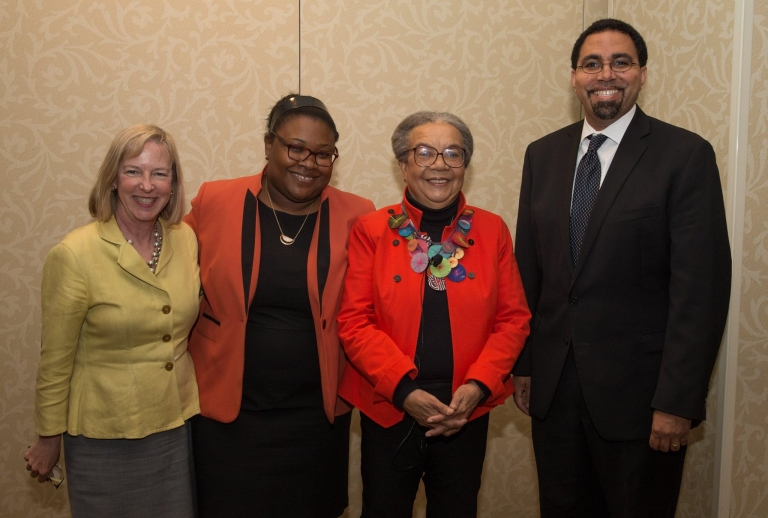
point(114, 360)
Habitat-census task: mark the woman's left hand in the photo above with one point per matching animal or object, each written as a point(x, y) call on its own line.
point(42, 456)
point(464, 402)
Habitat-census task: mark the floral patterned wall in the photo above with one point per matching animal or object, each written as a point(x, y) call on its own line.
point(74, 72)
point(750, 461)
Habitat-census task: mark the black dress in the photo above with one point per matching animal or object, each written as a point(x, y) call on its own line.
point(280, 457)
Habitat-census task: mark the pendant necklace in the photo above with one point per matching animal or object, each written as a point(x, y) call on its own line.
point(288, 241)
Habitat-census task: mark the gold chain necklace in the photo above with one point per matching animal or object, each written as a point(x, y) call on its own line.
point(288, 241)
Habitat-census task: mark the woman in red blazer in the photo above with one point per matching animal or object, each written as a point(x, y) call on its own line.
point(273, 437)
point(433, 317)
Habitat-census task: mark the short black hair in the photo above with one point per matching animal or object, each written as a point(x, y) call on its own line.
point(611, 24)
point(313, 112)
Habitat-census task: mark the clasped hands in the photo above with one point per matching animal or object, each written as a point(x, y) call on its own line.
point(442, 419)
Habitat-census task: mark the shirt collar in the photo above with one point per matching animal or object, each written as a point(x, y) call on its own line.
point(615, 131)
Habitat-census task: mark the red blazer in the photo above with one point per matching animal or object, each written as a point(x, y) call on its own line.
point(381, 312)
point(225, 219)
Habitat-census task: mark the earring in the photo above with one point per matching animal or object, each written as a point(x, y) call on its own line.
point(171, 193)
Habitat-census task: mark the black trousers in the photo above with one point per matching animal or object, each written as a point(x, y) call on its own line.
point(582, 475)
point(395, 459)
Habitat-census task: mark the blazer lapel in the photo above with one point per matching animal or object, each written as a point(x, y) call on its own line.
point(127, 257)
point(630, 150)
point(248, 242)
point(567, 169)
point(166, 251)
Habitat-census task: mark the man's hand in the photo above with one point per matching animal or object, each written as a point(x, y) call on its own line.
point(668, 432)
point(522, 392)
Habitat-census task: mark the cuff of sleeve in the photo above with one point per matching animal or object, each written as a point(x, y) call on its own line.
point(403, 390)
point(485, 390)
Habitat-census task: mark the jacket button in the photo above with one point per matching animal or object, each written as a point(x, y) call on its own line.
point(574, 301)
point(471, 275)
point(471, 242)
point(396, 242)
point(397, 278)
point(166, 309)
point(323, 323)
point(166, 338)
point(169, 366)
point(391, 211)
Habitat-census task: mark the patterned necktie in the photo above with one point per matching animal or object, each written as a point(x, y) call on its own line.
point(584, 192)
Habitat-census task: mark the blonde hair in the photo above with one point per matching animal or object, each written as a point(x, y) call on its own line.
point(129, 143)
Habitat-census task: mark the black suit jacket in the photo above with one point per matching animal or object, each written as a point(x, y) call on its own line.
point(645, 306)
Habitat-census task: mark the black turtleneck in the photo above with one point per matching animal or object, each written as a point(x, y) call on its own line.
point(434, 349)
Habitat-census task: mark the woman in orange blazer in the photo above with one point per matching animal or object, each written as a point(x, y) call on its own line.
point(432, 320)
point(265, 346)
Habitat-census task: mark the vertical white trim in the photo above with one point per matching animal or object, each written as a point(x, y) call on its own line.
point(736, 181)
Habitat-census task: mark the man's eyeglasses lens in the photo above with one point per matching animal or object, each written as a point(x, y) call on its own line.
point(617, 65)
point(425, 156)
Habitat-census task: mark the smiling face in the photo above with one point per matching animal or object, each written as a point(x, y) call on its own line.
point(295, 185)
point(607, 95)
point(143, 186)
point(438, 185)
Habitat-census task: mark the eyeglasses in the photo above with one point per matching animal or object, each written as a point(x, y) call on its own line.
point(299, 153)
point(594, 66)
point(425, 156)
point(57, 476)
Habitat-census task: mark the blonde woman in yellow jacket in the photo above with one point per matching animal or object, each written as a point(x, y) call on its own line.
point(119, 297)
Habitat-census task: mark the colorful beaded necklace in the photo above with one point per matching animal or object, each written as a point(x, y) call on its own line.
point(440, 259)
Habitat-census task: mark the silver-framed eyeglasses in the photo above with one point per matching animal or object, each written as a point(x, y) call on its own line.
point(425, 156)
point(593, 66)
point(300, 153)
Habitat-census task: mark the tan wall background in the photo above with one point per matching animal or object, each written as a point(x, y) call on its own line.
point(750, 461)
point(72, 73)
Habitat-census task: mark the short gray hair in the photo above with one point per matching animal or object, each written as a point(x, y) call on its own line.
point(401, 137)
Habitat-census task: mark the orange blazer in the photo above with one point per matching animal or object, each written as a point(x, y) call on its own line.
point(225, 218)
point(381, 312)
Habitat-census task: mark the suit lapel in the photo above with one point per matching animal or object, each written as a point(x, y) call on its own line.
point(629, 152)
point(567, 168)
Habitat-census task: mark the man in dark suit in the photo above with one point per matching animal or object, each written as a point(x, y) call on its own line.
point(623, 250)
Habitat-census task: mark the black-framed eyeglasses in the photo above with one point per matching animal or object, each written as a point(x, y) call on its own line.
point(594, 66)
point(425, 156)
point(300, 153)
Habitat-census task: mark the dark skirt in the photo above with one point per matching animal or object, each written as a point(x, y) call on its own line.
point(131, 478)
point(276, 463)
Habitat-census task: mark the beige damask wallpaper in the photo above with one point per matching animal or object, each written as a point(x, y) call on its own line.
point(750, 463)
point(74, 72)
